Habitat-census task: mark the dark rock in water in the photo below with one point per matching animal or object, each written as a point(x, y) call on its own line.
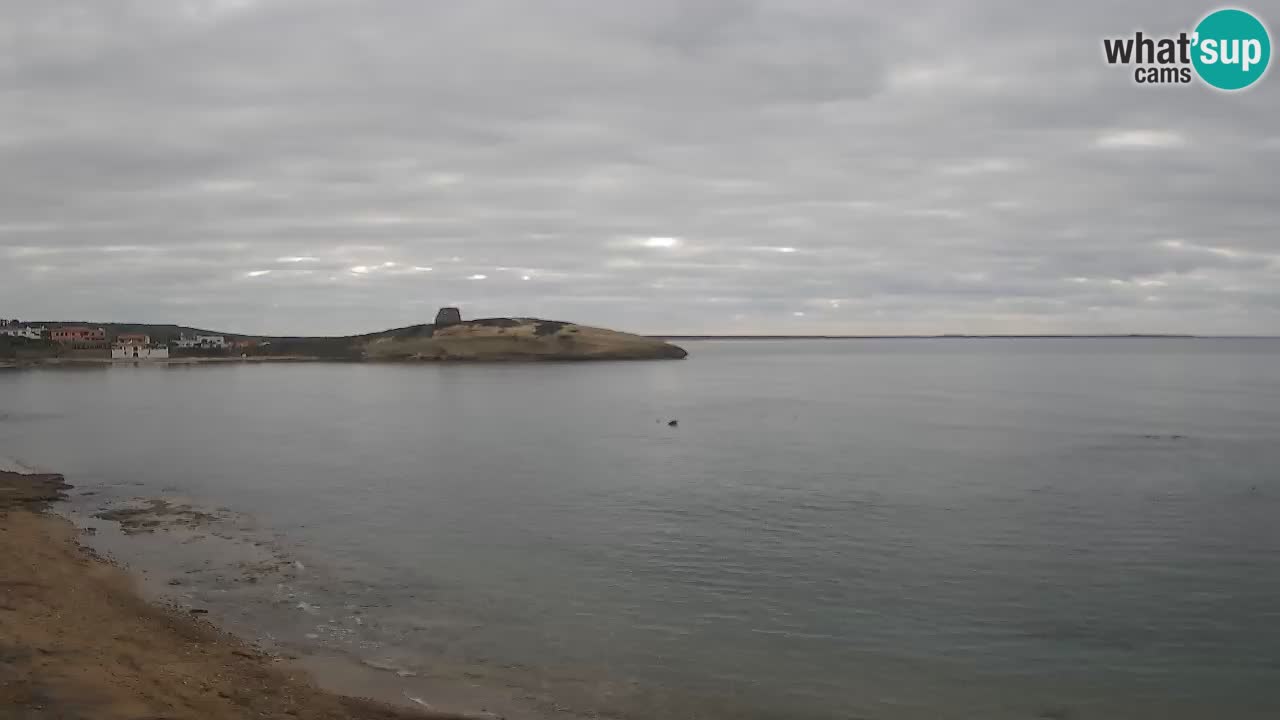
point(673, 423)
point(448, 316)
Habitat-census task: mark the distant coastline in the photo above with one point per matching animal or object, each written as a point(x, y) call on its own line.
point(1131, 336)
point(448, 339)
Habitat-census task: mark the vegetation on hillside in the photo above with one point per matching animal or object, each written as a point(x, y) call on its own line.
point(20, 348)
point(514, 339)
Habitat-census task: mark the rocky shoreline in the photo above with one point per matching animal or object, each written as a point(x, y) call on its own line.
point(78, 641)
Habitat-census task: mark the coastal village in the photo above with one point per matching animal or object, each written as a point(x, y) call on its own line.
point(98, 342)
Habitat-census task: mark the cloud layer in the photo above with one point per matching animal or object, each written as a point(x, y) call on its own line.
point(669, 166)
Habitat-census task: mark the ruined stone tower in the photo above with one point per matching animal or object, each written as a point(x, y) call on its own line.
point(448, 316)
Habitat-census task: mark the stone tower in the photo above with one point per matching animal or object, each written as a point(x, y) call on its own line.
point(448, 316)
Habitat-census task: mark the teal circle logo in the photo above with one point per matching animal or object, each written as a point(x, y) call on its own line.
point(1231, 49)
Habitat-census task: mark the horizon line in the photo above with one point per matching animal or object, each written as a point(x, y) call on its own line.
point(964, 336)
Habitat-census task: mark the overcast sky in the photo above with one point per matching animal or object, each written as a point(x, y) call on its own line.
point(917, 166)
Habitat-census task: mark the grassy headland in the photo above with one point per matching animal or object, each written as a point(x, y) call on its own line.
point(482, 340)
point(513, 339)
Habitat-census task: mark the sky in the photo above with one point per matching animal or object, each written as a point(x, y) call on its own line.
point(667, 166)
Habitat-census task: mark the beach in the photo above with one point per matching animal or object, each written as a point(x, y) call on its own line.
point(78, 641)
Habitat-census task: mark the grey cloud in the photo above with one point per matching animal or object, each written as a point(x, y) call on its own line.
point(938, 167)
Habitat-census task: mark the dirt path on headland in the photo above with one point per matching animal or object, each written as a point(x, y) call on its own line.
point(78, 643)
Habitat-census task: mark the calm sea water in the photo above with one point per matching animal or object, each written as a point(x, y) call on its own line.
point(873, 528)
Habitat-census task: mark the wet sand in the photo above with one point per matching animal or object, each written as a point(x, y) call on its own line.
point(78, 642)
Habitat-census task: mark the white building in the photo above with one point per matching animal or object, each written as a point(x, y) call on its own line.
point(205, 342)
point(137, 347)
point(139, 352)
point(25, 331)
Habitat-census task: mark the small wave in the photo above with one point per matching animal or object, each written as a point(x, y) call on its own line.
point(417, 700)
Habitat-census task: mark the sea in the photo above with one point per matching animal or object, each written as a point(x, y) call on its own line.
point(889, 529)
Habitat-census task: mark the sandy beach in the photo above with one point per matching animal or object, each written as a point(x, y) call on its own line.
point(79, 643)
